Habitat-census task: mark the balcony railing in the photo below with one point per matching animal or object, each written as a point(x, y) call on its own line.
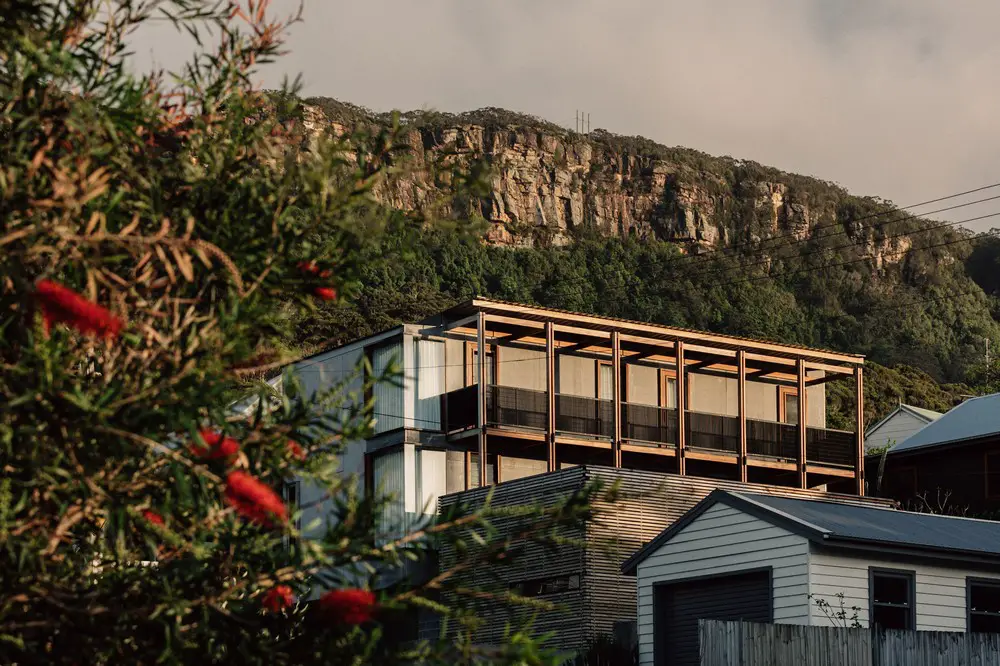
point(649, 423)
point(771, 439)
point(517, 407)
point(460, 408)
point(830, 447)
point(712, 431)
point(585, 416)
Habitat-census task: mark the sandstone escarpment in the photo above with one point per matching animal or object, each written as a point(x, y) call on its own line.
point(547, 183)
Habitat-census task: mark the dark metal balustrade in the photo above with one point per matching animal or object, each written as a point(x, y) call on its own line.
point(712, 431)
point(830, 447)
point(585, 416)
point(461, 408)
point(517, 407)
point(649, 423)
point(772, 439)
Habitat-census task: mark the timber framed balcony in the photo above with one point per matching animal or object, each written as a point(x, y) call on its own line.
point(526, 410)
point(791, 440)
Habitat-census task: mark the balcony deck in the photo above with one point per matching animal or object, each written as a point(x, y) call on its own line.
point(586, 421)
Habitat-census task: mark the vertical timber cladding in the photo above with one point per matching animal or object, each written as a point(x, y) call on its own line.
point(648, 503)
point(534, 563)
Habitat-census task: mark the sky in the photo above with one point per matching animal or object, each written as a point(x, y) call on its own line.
point(894, 98)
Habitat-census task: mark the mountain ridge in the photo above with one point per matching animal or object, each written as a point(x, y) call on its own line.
point(626, 227)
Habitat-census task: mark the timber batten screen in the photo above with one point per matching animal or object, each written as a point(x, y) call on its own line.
point(629, 394)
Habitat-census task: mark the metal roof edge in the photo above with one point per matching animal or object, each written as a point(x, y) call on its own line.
point(481, 303)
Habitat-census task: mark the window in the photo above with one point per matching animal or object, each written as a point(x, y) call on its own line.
point(472, 369)
point(983, 601)
point(668, 389)
point(605, 381)
point(893, 603)
point(540, 587)
point(992, 465)
point(788, 405)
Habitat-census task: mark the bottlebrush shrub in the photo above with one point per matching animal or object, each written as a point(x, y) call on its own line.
point(150, 238)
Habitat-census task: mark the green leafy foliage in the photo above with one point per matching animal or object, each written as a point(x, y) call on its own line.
point(193, 235)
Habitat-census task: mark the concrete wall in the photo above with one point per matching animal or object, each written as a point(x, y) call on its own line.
point(522, 368)
point(576, 376)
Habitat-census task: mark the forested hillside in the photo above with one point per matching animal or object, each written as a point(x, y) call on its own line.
point(626, 228)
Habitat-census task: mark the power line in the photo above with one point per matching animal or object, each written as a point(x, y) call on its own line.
point(732, 247)
point(943, 225)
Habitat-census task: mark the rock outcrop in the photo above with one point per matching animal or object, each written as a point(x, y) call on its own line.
point(547, 183)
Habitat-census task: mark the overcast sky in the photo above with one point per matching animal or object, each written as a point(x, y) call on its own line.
point(896, 98)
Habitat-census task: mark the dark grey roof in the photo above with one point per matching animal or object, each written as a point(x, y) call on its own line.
point(973, 419)
point(853, 526)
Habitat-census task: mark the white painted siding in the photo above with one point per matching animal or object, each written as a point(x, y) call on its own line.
point(940, 591)
point(723, 541)
point(896, 428)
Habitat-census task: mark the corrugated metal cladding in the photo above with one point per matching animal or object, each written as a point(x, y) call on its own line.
point(649, 502)
point(679, 606)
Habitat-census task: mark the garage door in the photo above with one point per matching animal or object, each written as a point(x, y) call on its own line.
point(679, 606)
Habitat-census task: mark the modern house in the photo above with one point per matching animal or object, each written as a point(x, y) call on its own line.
point(594, 596)
point(898, 425)
point(528, 390)
point(763, 558)
point(540, 400)
point(955, 461)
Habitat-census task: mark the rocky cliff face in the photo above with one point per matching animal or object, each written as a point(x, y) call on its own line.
point(548, 182)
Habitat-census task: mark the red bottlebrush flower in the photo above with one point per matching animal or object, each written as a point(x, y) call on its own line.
point(61, 305)
point(348, 606)
point(278, 598)
point(325, 293)
point(325, 273)
point(217, 446)
point(254, 500)
point(152, 517)
point(295, 450)
point(309, 267)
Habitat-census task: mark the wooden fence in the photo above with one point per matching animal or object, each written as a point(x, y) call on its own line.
point(753, 644)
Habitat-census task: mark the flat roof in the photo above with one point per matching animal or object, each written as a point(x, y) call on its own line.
point(604, 323)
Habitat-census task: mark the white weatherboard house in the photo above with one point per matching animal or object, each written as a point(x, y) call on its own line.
point(738, 556)
point(898, 425)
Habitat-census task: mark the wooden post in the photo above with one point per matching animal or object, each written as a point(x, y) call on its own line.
point(616, 393)
point(741, 406)
point(800, 365)
point(681, 407)
point(550, 393)
point(859, 434)
point(481, 406)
